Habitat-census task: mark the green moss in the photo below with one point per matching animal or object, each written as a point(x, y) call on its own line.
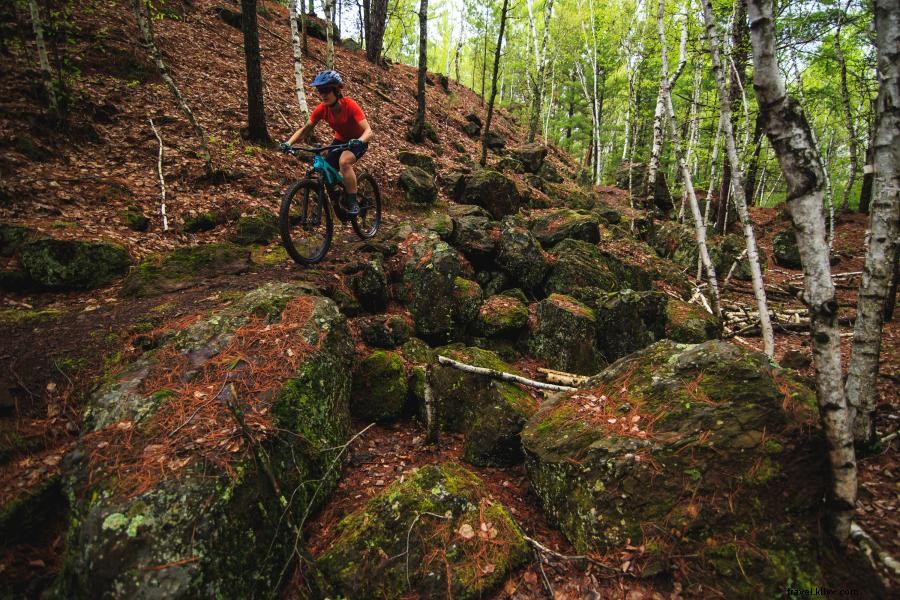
point(379, 387)
point(66, 264)
point(15, 316)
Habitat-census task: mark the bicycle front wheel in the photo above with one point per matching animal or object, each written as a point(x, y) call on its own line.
point(366, 223)
point(305, 222)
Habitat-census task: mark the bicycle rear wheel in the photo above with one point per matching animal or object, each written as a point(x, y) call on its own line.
point(305, 222)
point(366, 223)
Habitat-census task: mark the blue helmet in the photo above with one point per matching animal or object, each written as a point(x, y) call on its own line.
point(328, 77)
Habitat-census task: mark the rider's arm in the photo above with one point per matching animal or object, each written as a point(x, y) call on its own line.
point(367, 131)
point(301, 133)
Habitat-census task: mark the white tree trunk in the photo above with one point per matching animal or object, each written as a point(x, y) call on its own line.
point(146, 28)
point(329, 39)
point(737, 181)
point(883, 226)
point(37, 25)
point(848, 113)
point(298, 64)
point(789, 133)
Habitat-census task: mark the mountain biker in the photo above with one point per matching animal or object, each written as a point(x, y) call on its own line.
point(349, 125)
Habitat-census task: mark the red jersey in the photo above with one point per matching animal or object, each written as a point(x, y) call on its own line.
point(346, 125)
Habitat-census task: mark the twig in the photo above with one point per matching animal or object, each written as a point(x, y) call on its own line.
point(554, 376)
point(162, 180)
point(431, 428)
point(544, 578)
point(733, 267)
point(504, 376)
point(544, 549)
point(873, 551)
point(408, 533)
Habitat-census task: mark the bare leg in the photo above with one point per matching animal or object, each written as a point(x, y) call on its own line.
point(346, 164)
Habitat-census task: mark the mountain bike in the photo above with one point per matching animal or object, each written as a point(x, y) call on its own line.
point(305, 218)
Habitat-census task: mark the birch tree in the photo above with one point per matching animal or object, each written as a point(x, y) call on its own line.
point(790, 136)
point(145, 26)
point(687, 180)
point(737, 183)
point(329, 34)
point(37, 25)
point(418, 129)
point(883, 231)
point(490, 110)
point(665, 86)
point(540, 58)
point(296, 13)
point(848, 112)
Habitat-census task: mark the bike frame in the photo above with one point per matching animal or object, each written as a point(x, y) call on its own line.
point(331, 175)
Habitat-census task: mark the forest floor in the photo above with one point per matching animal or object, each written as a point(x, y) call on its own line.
point(55, 347)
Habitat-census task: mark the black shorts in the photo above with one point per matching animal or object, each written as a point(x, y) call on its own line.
point(333, 157)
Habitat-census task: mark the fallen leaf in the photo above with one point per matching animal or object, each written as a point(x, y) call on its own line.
point(466, 532)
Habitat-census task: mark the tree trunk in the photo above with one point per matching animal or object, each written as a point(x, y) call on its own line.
point(541, 67)
point(789, 133)
point(848, 113)
point(740, 201)
point(303, 28)
point(256, 113)
point(487, 12)
point(145, 25)
point(753, 167)
point(298, 66)
point(865, 193)
point(490, 110)
point(329, 37)
point(418, 129)
point(375, 37)
point(37, 25)
point(878, 271)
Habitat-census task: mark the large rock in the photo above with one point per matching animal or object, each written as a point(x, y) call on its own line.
point(490, 413)
point(699, 442)
point(580, 264)
point(428, 285)
point(565, 335)
point(379, 387)
point(502, 315)
point(531, 156)
point(689, 323)
point(476, 237)
point(554, 227)
point(520, 256)
point(417, 159)
point(72, 265)
point(434, 534)
point(12, 237)
point(369, 283)
point(418, 185)
point(726, 251)
point(184, 268)
point(657, 192)
point(494, 191)
point(674, 241)
point(627, 320)
point(258, 228)
point(494, 141)
point(784, 247)
point(167, 498)
point(384, 331)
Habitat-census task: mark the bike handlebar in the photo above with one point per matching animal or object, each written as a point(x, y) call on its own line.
point(313, 150)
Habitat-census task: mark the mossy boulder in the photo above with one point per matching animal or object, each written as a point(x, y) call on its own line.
point(494, 191)
point(73, 265)
point(607, 214)
point(418, 185)
point(204, 520)
point(200, 222)
point(467, 296)
point(784, 247)
point(428, 285)
point(508, 163)
point(184, 268)
point(433, 534)
point(726, 251)
point(258, 228)
point(581, 264)
point(134, 218)
point(476, 237)
point(692, 451)
point(494, 141)
point(554, 227)
point(520, 256)
point(489, 412)
point(441, 223)
point(13, 236)
point(531, 156)
point(564, 334)
point(384, 331)
point(626, 320)
point(369, 283)
point(674, 241)
point(379, 387)
point(417, 159)
point(689, 323)
point(502, 315)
